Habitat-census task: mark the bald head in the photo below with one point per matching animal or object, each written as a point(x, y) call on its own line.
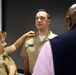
point(71, 16)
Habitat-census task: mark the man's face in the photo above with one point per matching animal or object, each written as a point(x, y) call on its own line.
point(42, 22)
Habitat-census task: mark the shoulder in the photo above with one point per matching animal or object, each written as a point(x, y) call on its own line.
point(65, 36)
point(7, 50)
point(64, 41)
point(32, 38)
point(29, 39)
point(51, 35)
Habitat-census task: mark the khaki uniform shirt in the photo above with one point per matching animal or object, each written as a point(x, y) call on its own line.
point(32, 47)
point(5, 60)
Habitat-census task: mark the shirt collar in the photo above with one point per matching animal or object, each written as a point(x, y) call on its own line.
point(73, 27)
point(2, 55)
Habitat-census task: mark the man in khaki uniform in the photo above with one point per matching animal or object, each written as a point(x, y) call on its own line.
point(33, 45)
point(7, 65)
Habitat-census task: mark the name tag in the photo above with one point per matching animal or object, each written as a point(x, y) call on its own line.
point(30, 45)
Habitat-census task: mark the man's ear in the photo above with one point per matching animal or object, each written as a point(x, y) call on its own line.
point(49, 21)
point(68, 21)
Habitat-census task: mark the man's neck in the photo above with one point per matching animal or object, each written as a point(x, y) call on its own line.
point(43, 33)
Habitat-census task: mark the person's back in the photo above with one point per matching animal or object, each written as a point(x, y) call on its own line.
point(64, 53)
point(64, 47)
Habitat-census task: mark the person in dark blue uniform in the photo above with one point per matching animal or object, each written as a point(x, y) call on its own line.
point(64, 46)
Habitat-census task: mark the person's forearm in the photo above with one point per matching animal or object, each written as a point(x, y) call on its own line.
point(26, 73)
point(26, 66)
point(22, 38)
point(11, 74)
point(26, 70)
point(20, 41)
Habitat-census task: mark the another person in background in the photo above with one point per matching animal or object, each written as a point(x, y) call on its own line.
point(7, 65)
point(32, 46)
point(58, 56)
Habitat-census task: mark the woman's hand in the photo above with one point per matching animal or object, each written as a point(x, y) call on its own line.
point(30, 33)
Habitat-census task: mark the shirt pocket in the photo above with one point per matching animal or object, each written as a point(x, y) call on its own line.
point(30, 48)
